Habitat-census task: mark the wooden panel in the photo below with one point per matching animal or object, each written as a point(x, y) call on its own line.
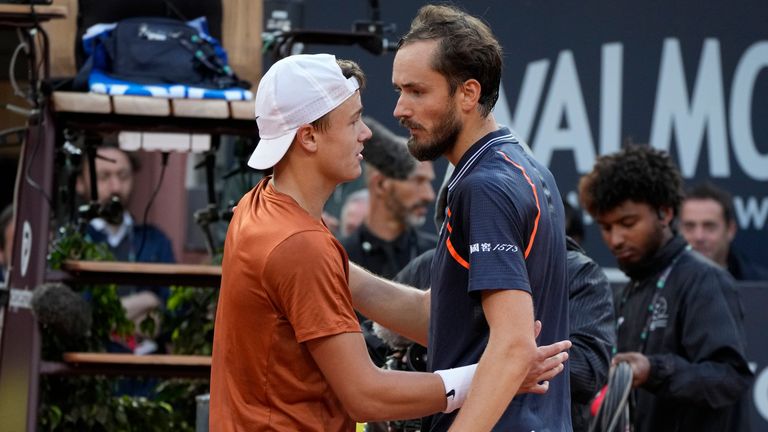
point(82, 102)
point(62, 34)
point(14, 12)
point(243, 110)
point(141, 105)
point(84, 272)
point(241, 37)
point(143, 268)
point(129, 365)
point(203, 108)
point(156, 359)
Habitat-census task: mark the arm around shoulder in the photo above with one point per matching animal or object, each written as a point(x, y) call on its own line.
point(400, 308)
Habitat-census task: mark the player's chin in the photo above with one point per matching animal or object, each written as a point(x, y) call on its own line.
point(351, 174)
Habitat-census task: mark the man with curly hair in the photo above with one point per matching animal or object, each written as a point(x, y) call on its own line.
point(679, 319)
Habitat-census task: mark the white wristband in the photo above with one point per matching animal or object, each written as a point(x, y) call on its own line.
point(457, 382)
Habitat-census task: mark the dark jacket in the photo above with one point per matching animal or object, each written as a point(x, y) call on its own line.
point(742, 268)
point(145, 243)
point(695, 343)
point(592, 331)
point(386, 258)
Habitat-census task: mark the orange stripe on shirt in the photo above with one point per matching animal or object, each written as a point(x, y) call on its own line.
point(535, 195)
point(455, 254)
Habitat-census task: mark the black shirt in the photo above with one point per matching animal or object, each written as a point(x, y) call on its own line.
point(742, 268)
point(386, 258)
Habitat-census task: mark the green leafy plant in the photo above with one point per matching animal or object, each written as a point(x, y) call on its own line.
point(91, 402)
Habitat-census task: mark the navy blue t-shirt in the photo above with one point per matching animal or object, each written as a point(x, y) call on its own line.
point(504, 229)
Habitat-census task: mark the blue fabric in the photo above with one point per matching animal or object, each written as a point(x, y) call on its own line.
point(99, 80)
point(492, 216)
point(157, 249)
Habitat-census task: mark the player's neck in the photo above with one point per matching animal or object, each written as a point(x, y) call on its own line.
point(475, 127)
point(309, 192)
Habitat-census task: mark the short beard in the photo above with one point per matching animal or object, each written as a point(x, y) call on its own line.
point(403, 214)
point(446, 132)
point(652, 247)
point(416, 221)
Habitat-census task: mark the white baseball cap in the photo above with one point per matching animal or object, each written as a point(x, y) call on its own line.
point(295, 91)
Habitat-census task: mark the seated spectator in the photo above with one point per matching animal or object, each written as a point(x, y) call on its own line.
point(127, 239)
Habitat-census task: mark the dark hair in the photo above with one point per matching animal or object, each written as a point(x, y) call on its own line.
point(5, 218)
point(707, 190)
point(388, 152)
point(349, 69)
point(467, 49)
point(109, 141)
point(574, 223)
point(638, 173)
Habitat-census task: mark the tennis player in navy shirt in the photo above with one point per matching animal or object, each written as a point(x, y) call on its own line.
point(501, 232)
point(500, 264)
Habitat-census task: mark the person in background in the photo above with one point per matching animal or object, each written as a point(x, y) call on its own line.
point(680, 320)
point(6, 240)
point(709, 225)
point(353, 211)
point(127, 239)
point(399, 194)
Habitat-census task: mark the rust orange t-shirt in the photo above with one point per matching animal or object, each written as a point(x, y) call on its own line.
point(284, 282)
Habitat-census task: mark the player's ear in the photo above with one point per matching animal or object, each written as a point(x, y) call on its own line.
point(469, 94)
point(306, 138)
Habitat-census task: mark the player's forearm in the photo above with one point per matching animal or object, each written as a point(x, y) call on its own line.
point(402, 309)
point(502, 369)
point(393, 395)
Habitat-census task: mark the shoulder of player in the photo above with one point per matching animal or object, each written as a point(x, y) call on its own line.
point(499, 186)
point(310, 238)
